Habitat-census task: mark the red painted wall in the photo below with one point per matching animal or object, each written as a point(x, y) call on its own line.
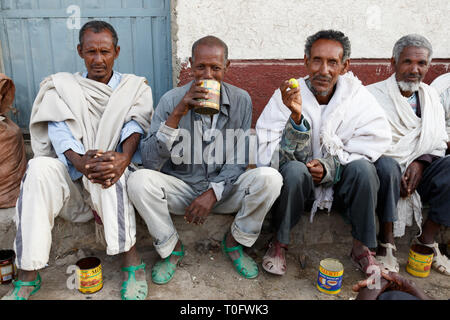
point(260, 78)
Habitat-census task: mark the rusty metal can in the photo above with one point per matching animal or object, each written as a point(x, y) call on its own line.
point(419, 260)
point(89, 273)
point(8, 270)
point(212, 105)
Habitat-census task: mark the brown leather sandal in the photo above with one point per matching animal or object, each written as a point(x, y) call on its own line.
point(371, 262)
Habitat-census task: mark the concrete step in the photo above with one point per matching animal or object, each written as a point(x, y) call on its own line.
point(326, 229)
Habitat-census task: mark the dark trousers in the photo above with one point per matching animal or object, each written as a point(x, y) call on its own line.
point(434, 188)
point(356, 192)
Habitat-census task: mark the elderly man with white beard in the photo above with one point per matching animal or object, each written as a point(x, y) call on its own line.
point(414, 170)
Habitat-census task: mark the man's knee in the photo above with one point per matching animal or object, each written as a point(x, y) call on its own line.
point(44, 167)
point(361, 169)
point(388, 168)
point(143, 180)
point(44, 163)
point(294, 173)
point(269, 178)
point(362, 173)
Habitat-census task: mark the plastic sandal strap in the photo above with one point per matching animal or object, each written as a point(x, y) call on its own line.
point(179, 253)
point(36, 282)
point(134, 268)
point(388, 246)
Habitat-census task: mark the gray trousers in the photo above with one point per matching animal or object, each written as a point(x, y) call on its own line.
point(157, 195)
point(356, 193)
point(434, 188)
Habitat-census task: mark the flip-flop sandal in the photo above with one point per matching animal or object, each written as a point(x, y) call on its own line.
point(244, 265)
point(389, 261)
point(275, 265)
point(163, 270)
point(19, 284)
point(133, 289)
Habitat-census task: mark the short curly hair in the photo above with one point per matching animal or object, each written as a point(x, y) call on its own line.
point(98, 26)
point(330, 35)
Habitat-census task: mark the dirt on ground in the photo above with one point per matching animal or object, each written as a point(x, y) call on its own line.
point(206, 274)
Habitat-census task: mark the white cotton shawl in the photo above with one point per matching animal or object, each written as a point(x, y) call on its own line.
point(442, 86)
point(412, 137)
point(93, 111)
point(353, 126)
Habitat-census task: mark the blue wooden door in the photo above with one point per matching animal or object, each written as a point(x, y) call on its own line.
point(39, 38)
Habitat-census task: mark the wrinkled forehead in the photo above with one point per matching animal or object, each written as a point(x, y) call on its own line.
point(92, 38)
point(327, 48)
point(415, 53)
point(208, 51)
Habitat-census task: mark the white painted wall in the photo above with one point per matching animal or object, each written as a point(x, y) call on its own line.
point(277, 29)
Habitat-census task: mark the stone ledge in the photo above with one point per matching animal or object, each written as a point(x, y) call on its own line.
point(327, 229)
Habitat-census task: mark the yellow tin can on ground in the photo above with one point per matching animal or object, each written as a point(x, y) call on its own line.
point(330, 275)
point(212, 105)
point(419, 260)
point(89, 275)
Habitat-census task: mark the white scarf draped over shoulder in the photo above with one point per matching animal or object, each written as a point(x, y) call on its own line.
point(351, 127)
point(93, 111)
point(412, 137)
point(442, 86)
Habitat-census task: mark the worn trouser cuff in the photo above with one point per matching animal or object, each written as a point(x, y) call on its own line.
point(246, 239)
point(115, 251)
point(165, 249)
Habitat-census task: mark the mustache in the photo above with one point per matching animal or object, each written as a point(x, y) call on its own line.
point(412, 75)
point(96, 66)
point(322, 78)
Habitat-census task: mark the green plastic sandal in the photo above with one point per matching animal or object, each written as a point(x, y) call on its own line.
point(244, 265)
point(19, 284)
point(133, 289)
point(163, 270)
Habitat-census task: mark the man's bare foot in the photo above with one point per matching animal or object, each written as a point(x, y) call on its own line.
point(231, 242)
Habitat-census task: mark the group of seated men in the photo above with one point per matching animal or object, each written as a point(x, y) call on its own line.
point(375, 151)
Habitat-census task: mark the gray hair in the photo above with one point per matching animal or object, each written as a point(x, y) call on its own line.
point(412, 40)
point(330, 35)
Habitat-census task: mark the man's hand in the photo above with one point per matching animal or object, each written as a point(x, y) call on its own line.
point(189, 101)
point(411, 178)
point(293, 100)
point(107, 168)
point(200, 208)
point(316, 170)
point(80, 161)
point(389, 281)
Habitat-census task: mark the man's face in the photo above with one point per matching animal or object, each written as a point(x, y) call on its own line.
point(325, 65)
point(99, 54)
point(411, 67)
point(209, 63)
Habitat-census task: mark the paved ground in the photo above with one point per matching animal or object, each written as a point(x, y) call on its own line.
point(206, 274)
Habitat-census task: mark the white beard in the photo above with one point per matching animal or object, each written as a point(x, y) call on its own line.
point(408, 86)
